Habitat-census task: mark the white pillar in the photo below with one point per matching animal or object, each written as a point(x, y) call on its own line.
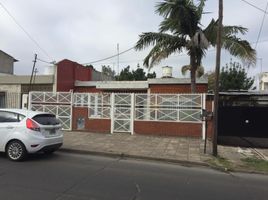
point(112, 113)
point(71, 110)
point(203, 122)
point(132, 113)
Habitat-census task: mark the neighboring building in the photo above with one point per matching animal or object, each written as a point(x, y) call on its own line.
point(58, 78)
point(68, 72)
point(264, 81)
point(6, 63)
point(13, 87)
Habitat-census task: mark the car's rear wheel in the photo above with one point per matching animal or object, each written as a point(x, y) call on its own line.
point(16, 150)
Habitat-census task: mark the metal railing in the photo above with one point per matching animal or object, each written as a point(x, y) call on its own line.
point(148, 107)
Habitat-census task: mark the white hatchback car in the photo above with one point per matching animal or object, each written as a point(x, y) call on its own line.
point(24, 131)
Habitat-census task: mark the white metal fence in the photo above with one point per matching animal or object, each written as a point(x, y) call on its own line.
point(59, 104)
point(149, 107)
point(124, 108)
point(168, 107)
point(121, 108)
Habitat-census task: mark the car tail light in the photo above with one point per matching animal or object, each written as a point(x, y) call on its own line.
point(30, 124)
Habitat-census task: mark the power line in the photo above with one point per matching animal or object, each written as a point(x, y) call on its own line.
point(138, 60)
point(26, 32)
point(259, 34)
point(264, 11)
point(96, 61)
point(41, 60)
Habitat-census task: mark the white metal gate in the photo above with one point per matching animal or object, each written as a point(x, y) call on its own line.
point(122, 112)
point(59, 104)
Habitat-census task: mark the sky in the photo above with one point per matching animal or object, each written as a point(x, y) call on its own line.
point(88, 30)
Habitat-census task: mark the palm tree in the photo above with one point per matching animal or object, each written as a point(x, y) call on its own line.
point(199, 71)
point(181, 29)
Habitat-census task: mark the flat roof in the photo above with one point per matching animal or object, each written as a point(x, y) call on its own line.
point(113, 84)
point(25, 79)
point(136, 84)
point(176, 81)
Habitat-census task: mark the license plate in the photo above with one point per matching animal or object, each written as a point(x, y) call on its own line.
point(52, 132)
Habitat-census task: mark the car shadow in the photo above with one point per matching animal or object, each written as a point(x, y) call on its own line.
point(2, 155)
point(41, 156)
point(35, 157)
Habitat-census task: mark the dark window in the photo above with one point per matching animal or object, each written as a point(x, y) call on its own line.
point(46, 119)
point(2, 99)
point(10, 117)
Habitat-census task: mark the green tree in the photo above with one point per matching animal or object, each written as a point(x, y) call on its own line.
point(125, 75)
point(151, 75)
point(107, 70)
point(139, 74)
point(134, 75)
point(211, 80)
point(181, 29)
point(234, 77)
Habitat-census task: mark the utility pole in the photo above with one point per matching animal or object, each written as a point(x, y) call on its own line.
point(31, 79)
point(217, 74)
point(118, 59)
point(35, 72)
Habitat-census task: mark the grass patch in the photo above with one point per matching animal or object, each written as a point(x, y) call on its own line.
point(256, 164)
point(221, 163)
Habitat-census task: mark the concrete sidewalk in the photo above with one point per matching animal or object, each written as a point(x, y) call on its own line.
point(185, 150)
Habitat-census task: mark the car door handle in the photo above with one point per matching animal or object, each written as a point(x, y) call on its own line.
point(10, 127)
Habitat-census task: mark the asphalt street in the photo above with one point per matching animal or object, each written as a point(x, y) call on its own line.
point(84, 177)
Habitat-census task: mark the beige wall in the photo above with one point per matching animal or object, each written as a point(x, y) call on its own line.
point(11, 96)
point(10, 88)
point(6, 63)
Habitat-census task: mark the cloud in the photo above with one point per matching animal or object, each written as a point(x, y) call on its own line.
point(85, 31)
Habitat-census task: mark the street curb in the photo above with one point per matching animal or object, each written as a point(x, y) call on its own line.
point(166, 160)
point(146, 158)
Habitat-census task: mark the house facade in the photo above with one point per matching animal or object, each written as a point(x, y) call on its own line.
point(83, 99)
point(264, 81)
point(6, 63)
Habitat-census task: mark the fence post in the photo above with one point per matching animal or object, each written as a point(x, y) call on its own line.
point(178, 107)
point(71, 111)
point(203, 122)
point(112, 113)
point(132, 113)
point(29, 100)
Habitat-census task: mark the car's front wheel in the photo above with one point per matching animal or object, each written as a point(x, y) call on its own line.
point(16, 151)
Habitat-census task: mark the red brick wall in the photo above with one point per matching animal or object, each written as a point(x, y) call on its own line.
point(68, 72)
point(140, 127)
point(91, 125)
point(210, 122)
point(177, 88)
point(168, 128)
point(87, 89)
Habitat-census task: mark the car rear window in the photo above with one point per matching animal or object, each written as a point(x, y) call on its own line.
point(46, 119)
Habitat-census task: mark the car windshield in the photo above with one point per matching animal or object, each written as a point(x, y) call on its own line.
point(46, 119)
